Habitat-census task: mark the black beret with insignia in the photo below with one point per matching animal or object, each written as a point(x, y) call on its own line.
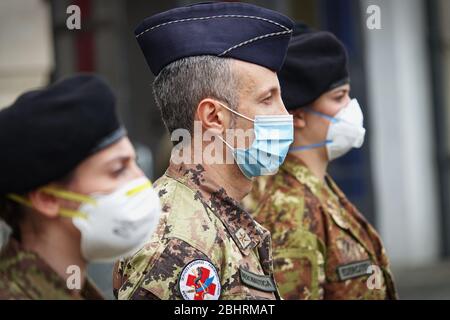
point(235, 30)
point(46, 133)
point(316, 62)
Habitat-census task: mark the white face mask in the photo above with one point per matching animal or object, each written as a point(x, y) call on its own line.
point(120, 223)
point(111, 225)
point(345, 131)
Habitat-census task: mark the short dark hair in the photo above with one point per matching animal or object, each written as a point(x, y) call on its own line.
point(181, 85)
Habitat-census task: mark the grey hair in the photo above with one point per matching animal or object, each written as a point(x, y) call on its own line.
point(181, 85)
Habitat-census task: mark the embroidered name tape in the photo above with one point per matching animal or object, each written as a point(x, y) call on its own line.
point(354, 270)
point(261, 282)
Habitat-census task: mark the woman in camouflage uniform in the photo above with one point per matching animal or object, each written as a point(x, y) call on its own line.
point(323, 247)
point(61, 145)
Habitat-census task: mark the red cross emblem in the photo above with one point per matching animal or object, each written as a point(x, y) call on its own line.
point(200, 281)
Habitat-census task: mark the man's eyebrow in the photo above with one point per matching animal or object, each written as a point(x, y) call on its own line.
point(265, 92)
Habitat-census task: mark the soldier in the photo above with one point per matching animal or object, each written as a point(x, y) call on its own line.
point(69, 189)
point(216, 69)
point(323, 247)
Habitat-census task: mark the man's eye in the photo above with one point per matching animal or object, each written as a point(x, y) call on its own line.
point(267, 99)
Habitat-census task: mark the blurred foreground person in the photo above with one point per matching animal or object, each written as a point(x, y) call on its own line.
point(70, 190)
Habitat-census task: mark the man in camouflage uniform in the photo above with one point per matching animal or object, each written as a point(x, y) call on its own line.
point(207, 246)
point(323, 247)
point(200, 222)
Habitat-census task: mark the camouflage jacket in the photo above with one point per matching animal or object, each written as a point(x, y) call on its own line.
point(323, 247)
point(24, 275)
point(200, 223)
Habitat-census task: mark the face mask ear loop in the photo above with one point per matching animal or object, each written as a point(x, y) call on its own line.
point(71, 196)
point(67, 213)
point(67, 195)
point(320, 114)
point(236, 113)
point(19, 199)
point(226, 143)
point(311, 146)
point(62, 212)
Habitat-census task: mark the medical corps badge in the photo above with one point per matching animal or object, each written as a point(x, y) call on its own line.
point(199, 280)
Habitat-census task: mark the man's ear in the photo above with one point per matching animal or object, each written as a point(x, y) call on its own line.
point(299, 116)
point(212, 115)
point(44, 203)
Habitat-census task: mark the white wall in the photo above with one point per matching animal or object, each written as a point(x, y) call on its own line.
point(26, 53)
point(401, 131)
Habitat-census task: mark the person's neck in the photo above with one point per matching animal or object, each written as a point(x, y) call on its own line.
point(314, 161)
point(229, 176)
point(55, 248)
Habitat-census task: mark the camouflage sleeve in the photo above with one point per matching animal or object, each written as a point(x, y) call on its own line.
point(159, 279)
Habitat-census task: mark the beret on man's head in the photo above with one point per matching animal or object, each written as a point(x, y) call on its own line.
point(235, 30)
point(316, 62)
point(46, 133)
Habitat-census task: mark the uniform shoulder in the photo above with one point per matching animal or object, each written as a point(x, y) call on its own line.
point(24, 275)
point(159, 277)
point(187, 217)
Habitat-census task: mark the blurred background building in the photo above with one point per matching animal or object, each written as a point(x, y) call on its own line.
point(400, 74)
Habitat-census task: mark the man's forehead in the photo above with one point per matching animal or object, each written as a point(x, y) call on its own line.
point(255, 77)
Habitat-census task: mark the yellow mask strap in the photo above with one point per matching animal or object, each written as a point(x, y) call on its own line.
point(67, 195)
point(19, 199)
point(140, 188)
point(62, 212)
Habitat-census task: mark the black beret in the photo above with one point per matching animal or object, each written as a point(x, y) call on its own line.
point(316, 62)
point(46, 133)
point(236, 30)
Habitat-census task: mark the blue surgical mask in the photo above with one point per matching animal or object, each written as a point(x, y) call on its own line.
point(273, 136)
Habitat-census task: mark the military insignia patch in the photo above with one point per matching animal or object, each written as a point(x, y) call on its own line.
point(199, 280)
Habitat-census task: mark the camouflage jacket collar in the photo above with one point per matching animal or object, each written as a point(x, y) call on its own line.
point(244, 230)
point(30, 277)
point(297, 168)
